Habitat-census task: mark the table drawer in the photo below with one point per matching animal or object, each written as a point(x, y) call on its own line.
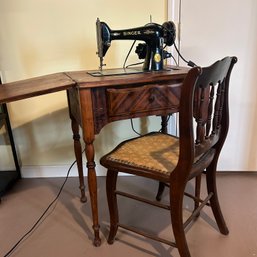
point(128, 101)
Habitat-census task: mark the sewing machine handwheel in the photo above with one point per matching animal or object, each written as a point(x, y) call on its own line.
point(170, 31)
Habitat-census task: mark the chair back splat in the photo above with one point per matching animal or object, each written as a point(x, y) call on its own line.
point(173, 161)
point(204, 117)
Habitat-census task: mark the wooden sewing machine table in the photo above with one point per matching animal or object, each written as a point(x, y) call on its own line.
point(96, 101)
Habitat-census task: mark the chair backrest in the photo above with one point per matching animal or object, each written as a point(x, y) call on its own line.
point(204, 110)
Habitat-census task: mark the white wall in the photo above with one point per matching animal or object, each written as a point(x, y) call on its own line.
point(47, 36)
point(211, 30)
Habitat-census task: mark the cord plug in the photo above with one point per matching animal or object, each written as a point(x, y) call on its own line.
point(191, 64)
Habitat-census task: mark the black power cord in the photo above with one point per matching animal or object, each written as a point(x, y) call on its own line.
point(43, 214)
point(132, 126)
point(189, 63)
point(124, 64)
point(133, 64)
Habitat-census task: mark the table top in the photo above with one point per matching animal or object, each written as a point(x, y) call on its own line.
point(34, 87)
point(51, 83)
point(84, 79)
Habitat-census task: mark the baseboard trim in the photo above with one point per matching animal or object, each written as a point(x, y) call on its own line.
point(242, 172)
point(35, 171)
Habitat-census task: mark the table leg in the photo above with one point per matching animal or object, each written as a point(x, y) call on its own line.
point(164, 124)
point(92, 186)
point(78, 155)
point(164, 130)
point(87, 117)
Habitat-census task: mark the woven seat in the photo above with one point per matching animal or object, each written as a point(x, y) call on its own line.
point(155, 152)
point(203, 127)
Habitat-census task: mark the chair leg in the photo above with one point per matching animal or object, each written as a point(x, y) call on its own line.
point(214, 201)
point(111, 180)
point(176, 202)
point(197, 190)
point(160, 191)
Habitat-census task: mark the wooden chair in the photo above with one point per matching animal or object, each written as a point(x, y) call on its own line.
point(203, 127)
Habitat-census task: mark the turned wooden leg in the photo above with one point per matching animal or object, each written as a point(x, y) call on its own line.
point(111, 180)
point(164, 124)
point(164, 130)
point(78, 155)
point(92, 186)
point(214, 201)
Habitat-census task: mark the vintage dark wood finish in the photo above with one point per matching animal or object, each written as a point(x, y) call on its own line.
point(205, 102)
point(93, 103)
point(150, 97)
point(34, 87)
point(85, 80)
point(157, 93)
point(118, 103)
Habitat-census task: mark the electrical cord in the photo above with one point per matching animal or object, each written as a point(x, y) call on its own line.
point(132, 126)
point(167, 120)
point(43, 214)
point(189, 63)
point(134, 64)
point(175, 61)
point(124, 64)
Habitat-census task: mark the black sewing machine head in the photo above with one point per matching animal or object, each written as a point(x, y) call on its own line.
point(154, 35)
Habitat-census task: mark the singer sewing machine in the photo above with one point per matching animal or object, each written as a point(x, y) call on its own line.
point(155, 38)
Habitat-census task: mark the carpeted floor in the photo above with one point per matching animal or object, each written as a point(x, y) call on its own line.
point(66, 229)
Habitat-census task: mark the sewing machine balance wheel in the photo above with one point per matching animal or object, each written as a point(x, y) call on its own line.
point(170, 32)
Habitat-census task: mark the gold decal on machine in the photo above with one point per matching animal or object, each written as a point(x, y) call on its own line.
point(157, 57)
